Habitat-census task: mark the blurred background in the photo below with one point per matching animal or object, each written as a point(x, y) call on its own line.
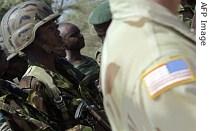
point(77, 12)
point(74, 11)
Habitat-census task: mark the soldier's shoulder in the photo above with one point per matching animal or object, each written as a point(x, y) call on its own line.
point(30, 82)
point(167, 72)
point(173, 34)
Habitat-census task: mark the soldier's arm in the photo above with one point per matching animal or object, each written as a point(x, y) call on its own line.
point(35, 89)
point(167, 90)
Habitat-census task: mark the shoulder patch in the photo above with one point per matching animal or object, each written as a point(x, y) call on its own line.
point(166, 75)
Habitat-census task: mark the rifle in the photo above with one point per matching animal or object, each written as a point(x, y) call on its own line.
point(11, 88)
point(87, 112)
point(89, 89)
point(15, 93)
point(67, 70)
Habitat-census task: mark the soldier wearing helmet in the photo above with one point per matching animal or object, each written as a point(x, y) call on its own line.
point(15, 113)
point(100, 18)
point(29, 28)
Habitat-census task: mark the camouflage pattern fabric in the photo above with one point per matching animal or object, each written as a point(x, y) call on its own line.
point(50, 92)
point(87, 66)
point(17, 115)
point(33, 13)
point(87, 88)
point(68, 71)
point(80, 128)
point(69, 91)
point(73, 74)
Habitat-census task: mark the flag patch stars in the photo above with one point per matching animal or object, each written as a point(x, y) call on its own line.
point(166, 76)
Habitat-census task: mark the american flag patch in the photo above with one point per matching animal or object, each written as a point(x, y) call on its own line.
point(167, 76)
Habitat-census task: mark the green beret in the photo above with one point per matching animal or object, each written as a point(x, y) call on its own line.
point(100, 14)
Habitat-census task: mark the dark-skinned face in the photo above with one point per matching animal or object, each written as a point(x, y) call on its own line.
point(72, 37)
point(49, 39)
point(101, 30)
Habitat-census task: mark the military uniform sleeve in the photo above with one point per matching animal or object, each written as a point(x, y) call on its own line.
point(168, 93)
point(35, 89)
point(166, 74)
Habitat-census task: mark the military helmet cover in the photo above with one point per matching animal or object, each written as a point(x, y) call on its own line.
point(20, 23)
point(100, 14)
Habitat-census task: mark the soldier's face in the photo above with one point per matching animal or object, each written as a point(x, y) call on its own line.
point(73, 39)
point(48, 34)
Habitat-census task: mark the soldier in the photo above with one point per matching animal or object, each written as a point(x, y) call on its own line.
point(29, 28)
point(100, 18)
point(74, 42)
point(148, 68)
point(15, 113)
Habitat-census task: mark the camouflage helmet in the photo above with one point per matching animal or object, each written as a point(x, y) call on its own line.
point(20, 23)
point(100, 14)
point(2, 46)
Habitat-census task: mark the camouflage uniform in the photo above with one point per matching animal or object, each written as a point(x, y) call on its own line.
point(17, 115)
point(51, 87)
point(87, 65)
point(54, 93)
point(88, 87)
point(85, 80)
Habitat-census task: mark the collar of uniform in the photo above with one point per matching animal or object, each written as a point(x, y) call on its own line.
point(134, 10)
